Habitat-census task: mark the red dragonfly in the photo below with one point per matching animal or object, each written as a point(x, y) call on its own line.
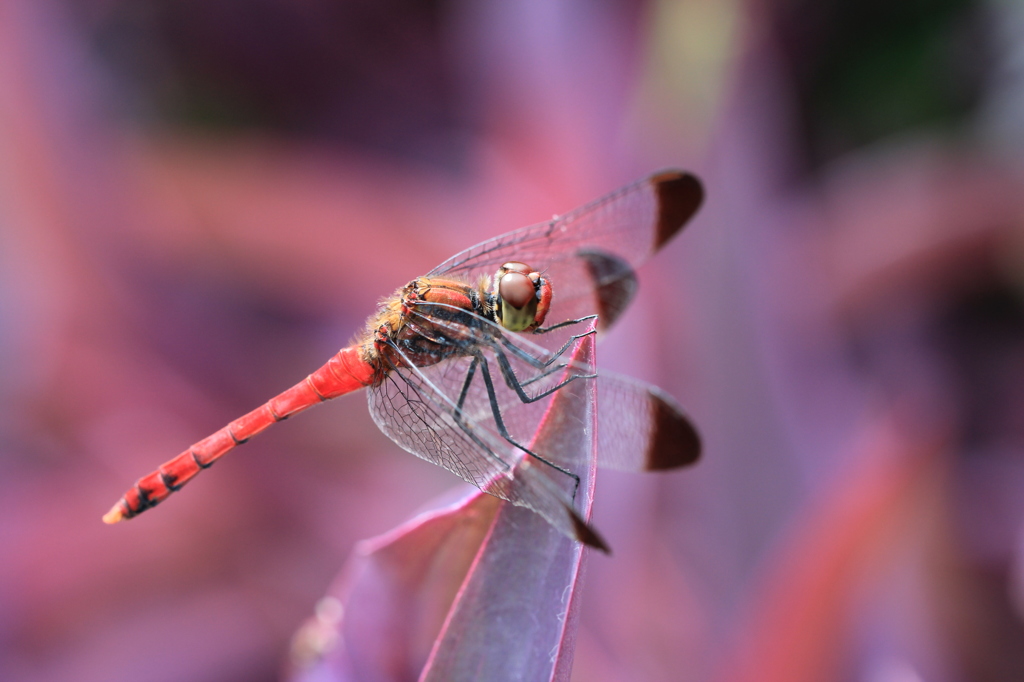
point(426, 359)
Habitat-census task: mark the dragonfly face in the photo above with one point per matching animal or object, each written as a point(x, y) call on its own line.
point(521, 297)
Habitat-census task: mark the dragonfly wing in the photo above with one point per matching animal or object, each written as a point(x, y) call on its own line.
point(420, 416)
point(640, 427)
point(591, 253)
point(409, 411)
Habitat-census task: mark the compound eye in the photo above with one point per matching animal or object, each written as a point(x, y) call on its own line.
point(516, 266)
point(516, 289)
point(518, 300)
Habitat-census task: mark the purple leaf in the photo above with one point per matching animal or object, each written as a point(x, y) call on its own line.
point(480, 589)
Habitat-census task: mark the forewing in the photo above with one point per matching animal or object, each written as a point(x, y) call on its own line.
point(420, 416)
point(590, 254)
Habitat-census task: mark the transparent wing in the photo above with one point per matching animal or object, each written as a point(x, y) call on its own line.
point(418, 412)
point(590, 254)
point(640, 427)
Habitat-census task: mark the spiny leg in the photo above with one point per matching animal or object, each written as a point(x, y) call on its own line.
point(465, 384)
point(542, 330)
point(544, 374)
point(541, 364)
point(500, 423)
point(513, 382)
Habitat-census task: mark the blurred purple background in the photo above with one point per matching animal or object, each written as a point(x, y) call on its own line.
point(201, 201)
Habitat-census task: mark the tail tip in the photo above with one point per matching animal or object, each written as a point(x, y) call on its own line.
point(114, 515)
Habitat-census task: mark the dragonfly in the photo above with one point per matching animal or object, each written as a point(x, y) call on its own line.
point(458, 363)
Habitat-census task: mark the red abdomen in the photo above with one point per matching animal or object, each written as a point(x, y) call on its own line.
point(347, 371)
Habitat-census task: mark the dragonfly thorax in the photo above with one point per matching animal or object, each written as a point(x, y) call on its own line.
point(519, 297)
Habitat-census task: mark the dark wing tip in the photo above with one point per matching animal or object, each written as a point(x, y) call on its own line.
point(679, 194)
point(675, 442)
point(586, 534)
point(615, 284)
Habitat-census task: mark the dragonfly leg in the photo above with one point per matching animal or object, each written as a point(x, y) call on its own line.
point(548, 372)
point(516, 385)
point(546, 366)
point(500, 423)
point(466, 383)
point(544, 374)
point(541, 330)
point(541, 364)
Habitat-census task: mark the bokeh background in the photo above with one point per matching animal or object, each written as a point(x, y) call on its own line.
point(201, 201)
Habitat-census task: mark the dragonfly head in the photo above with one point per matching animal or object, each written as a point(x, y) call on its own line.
point(521, 296)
